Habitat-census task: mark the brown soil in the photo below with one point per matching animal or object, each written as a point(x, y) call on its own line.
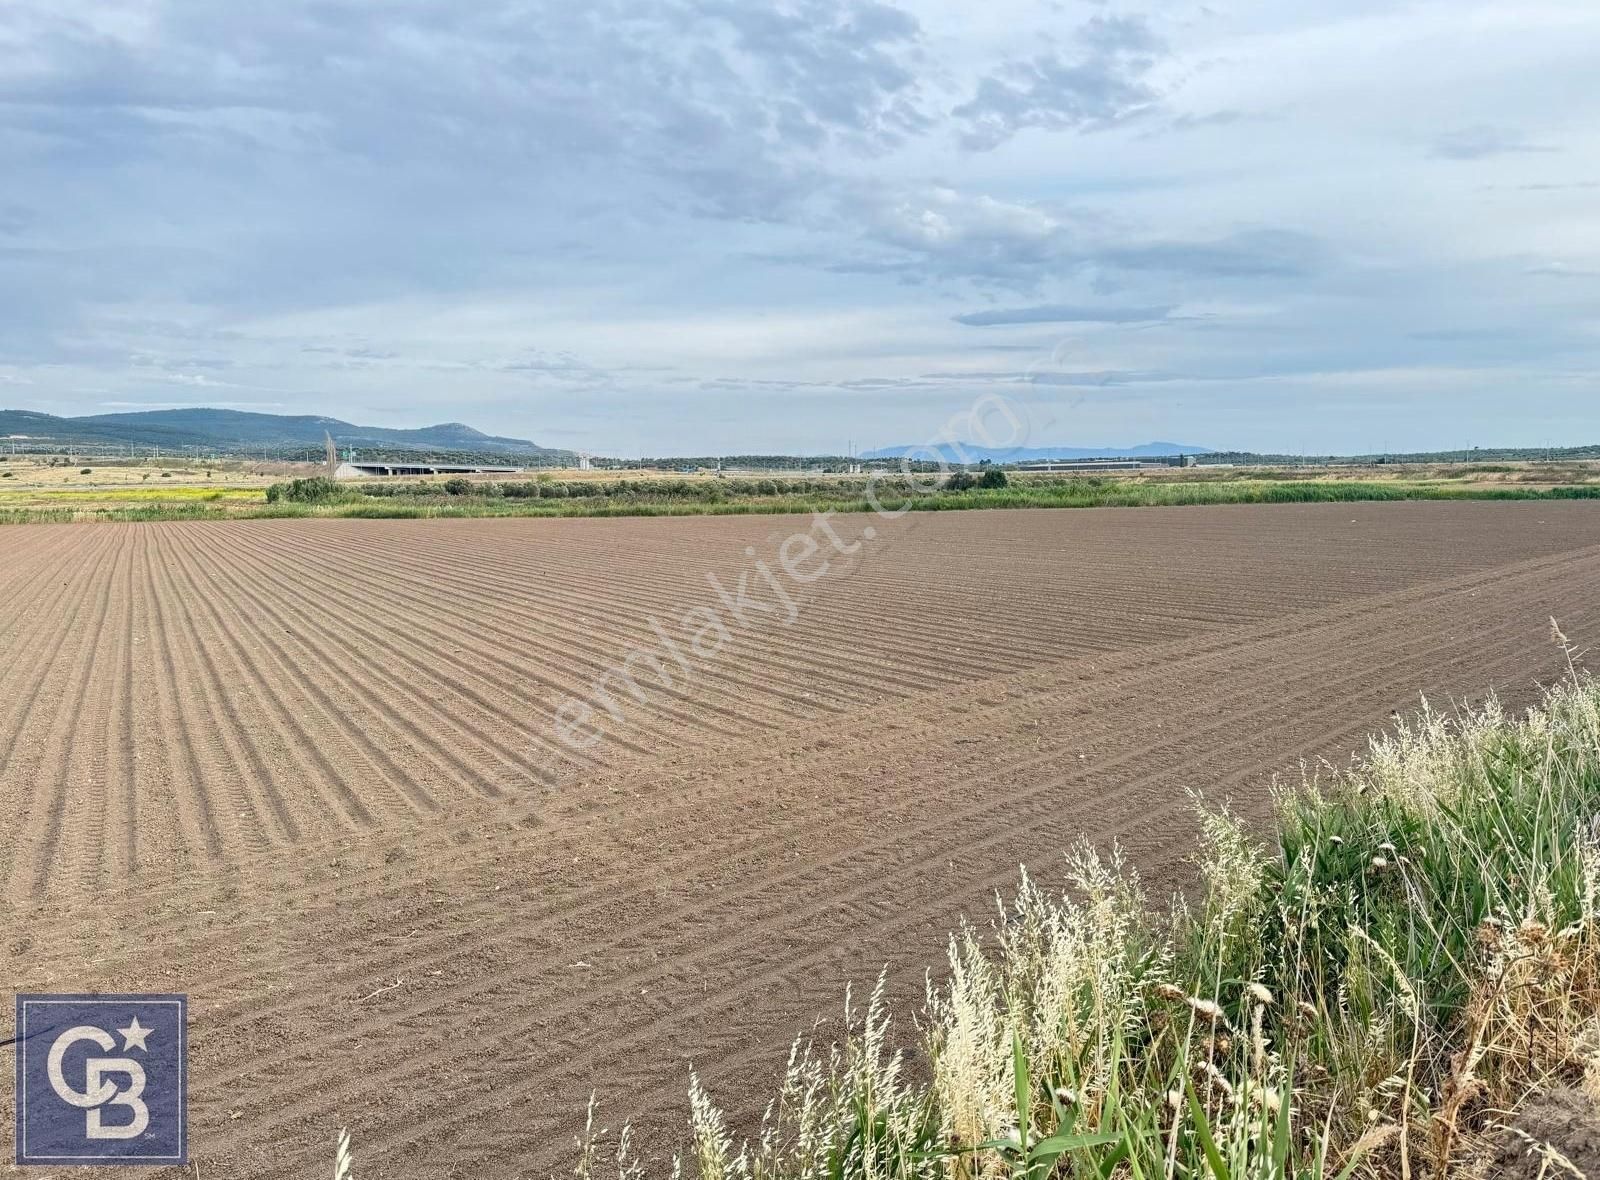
point(1563, 1125)
point(305, 772)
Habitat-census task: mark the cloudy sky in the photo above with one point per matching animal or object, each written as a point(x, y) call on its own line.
point(690, 226)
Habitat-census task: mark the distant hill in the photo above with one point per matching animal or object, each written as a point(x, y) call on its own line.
point(964, 453)
point(233, 431)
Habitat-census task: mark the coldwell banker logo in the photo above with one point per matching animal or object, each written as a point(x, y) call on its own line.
point(102, 1079)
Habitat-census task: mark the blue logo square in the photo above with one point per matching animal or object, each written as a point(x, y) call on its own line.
point(102, 1079)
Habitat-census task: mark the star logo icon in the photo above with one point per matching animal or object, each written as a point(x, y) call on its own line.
point(133, 1035)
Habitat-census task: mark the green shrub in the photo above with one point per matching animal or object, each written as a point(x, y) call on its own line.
point(316, 489)
point(992, 477)
point(457, 486)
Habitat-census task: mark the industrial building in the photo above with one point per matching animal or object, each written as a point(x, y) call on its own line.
point(348, 469)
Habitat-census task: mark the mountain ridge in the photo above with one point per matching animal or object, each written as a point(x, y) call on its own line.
point(221, 430)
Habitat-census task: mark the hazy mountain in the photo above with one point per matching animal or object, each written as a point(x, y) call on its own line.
point(236, 430)
point(965, 453)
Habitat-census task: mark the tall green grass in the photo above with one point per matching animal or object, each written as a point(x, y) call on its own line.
point(1071, 493)
point(1369, 988)
point(737, 499)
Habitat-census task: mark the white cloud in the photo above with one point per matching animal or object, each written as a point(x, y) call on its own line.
point(680, 218)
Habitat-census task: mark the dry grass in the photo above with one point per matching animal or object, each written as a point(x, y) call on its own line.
point(1375, 992)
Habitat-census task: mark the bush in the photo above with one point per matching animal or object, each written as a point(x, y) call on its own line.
point(316, 489)
point(993, 477)
point(458, 486)
point(86, 471)
point(961, 481)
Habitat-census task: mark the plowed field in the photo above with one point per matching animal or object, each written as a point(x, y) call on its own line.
point(312, 774)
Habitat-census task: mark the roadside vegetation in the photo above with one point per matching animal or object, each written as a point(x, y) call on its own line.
point(1394, 980)
point(633, 495)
